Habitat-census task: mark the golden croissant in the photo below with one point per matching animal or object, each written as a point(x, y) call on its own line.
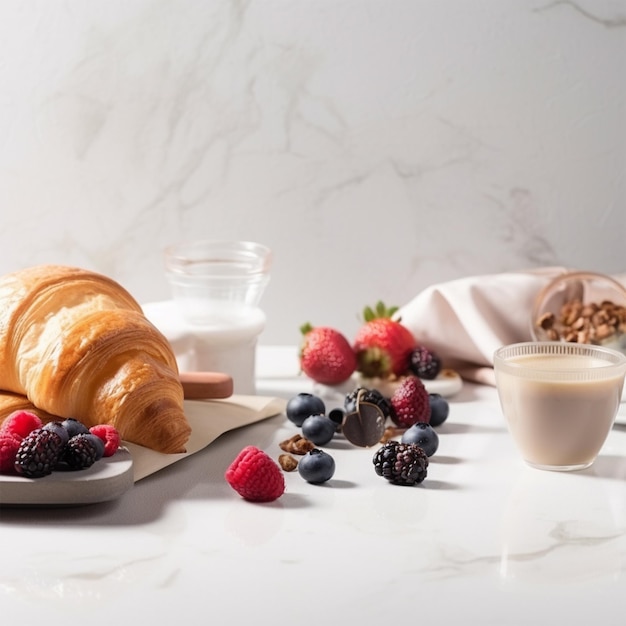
point(76, 344)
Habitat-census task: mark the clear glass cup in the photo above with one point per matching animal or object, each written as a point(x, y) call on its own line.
point(217, 283)
point(216, 289)
point(559, 399)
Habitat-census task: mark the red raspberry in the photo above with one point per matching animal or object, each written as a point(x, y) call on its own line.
point(9, 445)
point(109, 435)
point(21, 423)
point(410, 403)
point(255, 476)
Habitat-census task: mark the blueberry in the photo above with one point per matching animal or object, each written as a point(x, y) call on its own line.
point(439, 409)
point(74, 427)
point(97, 443)
point(424, 436)
point(316, 466)
point(319, 429)
point(59, 429)
point(303, 405)
point(337, 415)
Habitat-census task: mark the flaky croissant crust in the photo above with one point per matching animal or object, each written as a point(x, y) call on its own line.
point(77, 344)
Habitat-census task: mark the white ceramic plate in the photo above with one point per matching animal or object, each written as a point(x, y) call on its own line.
point(447, 384)
point(105, 480)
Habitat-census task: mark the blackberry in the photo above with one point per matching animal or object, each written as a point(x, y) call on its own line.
point(98, 444)
point(401, 463)
point(80, 452)
point(373, 396)
point(39, 453)
point(424, 363)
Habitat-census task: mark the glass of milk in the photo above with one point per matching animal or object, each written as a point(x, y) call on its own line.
point(559, 400)
point(216, 289)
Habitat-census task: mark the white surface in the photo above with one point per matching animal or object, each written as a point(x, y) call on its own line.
point(377, 147)
point(484, 540)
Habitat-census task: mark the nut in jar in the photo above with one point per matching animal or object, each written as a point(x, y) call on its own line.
point(581, 307)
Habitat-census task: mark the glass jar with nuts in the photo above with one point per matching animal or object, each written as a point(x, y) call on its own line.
point(581, 307)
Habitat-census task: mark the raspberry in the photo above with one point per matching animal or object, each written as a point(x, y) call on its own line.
point(109, 435)
point(424, 363)
point(9, 444)
point(410, 403)
point(80, 452)
point(38, 453)
point(401, 463)
point(21, 423)
point(255, 476)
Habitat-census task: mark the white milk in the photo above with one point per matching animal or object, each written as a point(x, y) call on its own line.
point(225, 343)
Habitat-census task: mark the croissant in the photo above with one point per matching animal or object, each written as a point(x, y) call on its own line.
point(77, 344)
point(10, 402)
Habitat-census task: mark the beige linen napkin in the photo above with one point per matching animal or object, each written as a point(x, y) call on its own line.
point(208, 419)
point(466, 320)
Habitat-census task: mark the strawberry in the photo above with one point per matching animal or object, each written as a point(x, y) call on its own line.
point(383, 346)
point(410, 403)
point(255, 476)
point(326, 355)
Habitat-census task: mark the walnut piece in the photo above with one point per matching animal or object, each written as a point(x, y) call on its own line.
point(296, 445)
point(287, 462)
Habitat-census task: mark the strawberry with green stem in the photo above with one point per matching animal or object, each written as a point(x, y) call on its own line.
point(326, 355)
point(382, 345)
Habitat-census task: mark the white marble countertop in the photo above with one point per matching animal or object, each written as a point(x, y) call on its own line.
point(484, 540)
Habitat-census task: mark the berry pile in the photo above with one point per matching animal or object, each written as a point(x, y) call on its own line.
point(32, 449)
point(367, 418)
point(382, 348)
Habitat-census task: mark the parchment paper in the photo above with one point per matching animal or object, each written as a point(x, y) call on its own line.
point(209, 419)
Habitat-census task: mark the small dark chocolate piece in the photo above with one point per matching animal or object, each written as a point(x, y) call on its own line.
point(365, 426)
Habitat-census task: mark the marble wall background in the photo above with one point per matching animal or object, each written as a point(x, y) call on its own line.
point(377, 146)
